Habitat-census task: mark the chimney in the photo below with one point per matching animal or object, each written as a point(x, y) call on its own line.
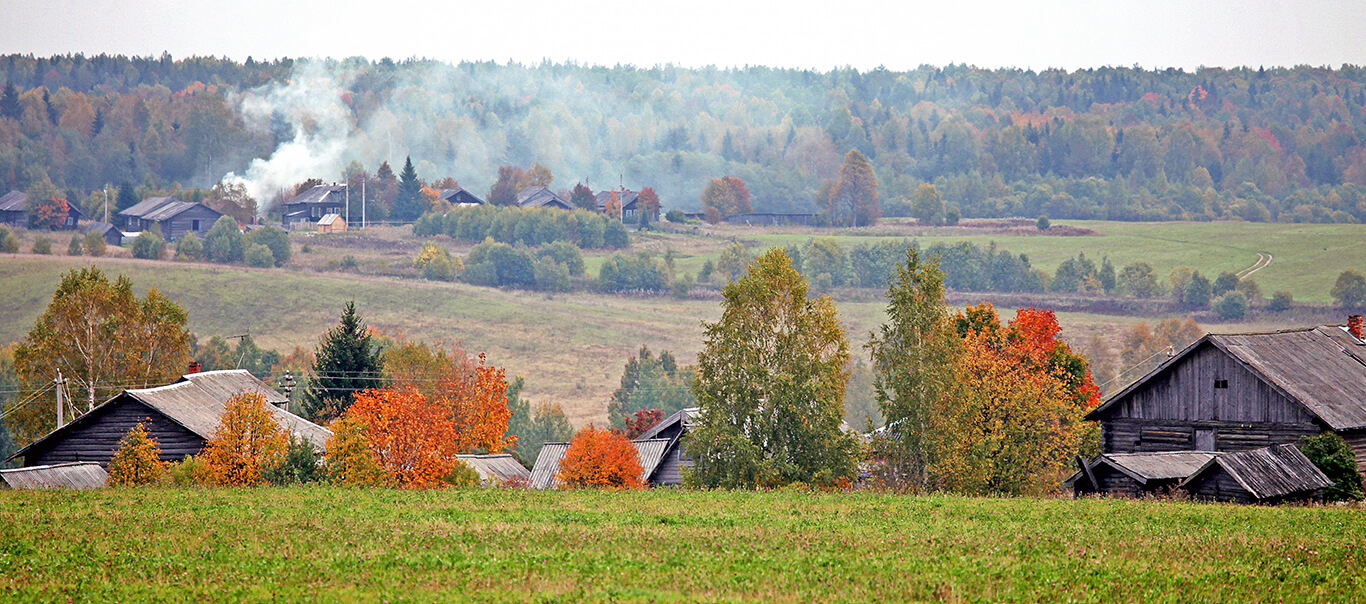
point(1356, 326)
point(193, 368)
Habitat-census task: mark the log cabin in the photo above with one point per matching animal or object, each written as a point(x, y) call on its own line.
point(174, 217)
point(180, 416)
point(1236, 392)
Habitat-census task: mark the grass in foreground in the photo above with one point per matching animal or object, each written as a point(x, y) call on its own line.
point(666, 545)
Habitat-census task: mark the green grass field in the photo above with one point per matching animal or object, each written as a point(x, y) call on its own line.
point(322, 544)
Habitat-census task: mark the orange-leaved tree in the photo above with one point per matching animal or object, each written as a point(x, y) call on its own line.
point(474, 393)
point(412, 437)
point(350, 462)
point(246, 440)
point(137, 461)
point(601, 458)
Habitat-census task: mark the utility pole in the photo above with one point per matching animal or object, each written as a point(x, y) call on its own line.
point(362, 201)
point(106, 203)
point(61, 385)
point(348, 201)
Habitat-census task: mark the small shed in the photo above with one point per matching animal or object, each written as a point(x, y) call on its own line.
point(1268, 475)
point(1137, 474)
point(543, 474)
point(111, 234)
point(332, 223)
point(75, 475)
point(496, 469)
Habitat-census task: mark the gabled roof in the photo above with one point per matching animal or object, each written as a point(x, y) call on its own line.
point(497, 468)
point(14, 201)
point(197, 402)
point(1321, 368)
point(650, 450)
point(1269, 472)
point(172, 209)
point(329, 219)
point(627, 198)
point(536, 197)
point(1143, 467)
point(318, 194)
point(449, 194)
point(98, 227)
point(73, 475)
point(687, 417)
point(147, 206)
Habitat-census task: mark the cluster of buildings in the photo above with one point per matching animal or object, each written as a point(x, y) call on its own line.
point(175, 218)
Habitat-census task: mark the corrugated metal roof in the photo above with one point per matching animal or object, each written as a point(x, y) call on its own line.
point(1322, 368)
point(1269, 472)
point(74, 475)
point(329, 219)
point(547, 465)
point(318, 194)
point(651, 451)
point(14, 201)
point(1156, 466)
point(497, 468)
point(147, 206)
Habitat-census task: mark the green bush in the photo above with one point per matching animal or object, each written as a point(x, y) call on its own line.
point(42, 245)
point(481, 273)
point(1281, 300)
point(299, 465)
point(1043, 223)
point(615, 236)
point(551, 276)
point(1335, 458)
point(462, 476)
point(148, 246)
point(675, 216)
point(223, 242)
point(9, 243)
point(348, 262)
point(95, 244)
point(1231, 306)
point(189, 248)
point(259, 256)
point(439, 268)
point(622, 272)
point(513, 266)
point(274, 238)
point(564, 253)
point(74, 248)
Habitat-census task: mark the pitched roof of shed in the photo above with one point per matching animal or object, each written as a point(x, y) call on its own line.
point(1322, 368)
point(329, 219)
point(447, 194)
point(499, 467)
point(1156, 466)
point(1269, 472)
point(98, 227)
point(73, 475)
point(170, 210)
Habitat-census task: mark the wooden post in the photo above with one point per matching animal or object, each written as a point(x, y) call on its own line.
point(60, 384)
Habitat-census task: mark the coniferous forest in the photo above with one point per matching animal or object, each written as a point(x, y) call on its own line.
point(1283, 144)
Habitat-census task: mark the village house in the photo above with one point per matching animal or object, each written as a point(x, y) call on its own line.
point(305, 209)
point(631, 206)
point(14, 211)
point(110, 233)
point(180, 416)
point(542, 197)
point(459, 197)
point(174, 217)
point(660, 449)
point(1230, 393)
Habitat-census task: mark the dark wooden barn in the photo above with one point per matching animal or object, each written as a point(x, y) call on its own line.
point(111, 234)
point(174, 217)
point(542, 197)
point(181, 416)
point(459, 197)
point(674, 428)
point(304, 210)
point(1236, 392)
point(1137, 474)
point(14, 211)
point(1268, 475)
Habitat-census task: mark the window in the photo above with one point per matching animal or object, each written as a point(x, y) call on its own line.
point(1221, 383)
point(194, 225)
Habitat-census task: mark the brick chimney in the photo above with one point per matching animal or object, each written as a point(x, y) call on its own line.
point(193, 368)
point(1356, 326)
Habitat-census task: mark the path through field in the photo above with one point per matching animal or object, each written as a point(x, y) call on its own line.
point(1263, 261)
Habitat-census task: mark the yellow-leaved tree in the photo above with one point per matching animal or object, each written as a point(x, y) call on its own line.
point(137, 461)
point(246, 440)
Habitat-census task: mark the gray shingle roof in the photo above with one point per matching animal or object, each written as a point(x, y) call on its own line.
point(1322, 368)
point(536, 197)
point(1269, 472)
point(14, 201)
point(496, 468)
point(74, 475)
point(145, 207)
point(1144, 467)
point(318, 194)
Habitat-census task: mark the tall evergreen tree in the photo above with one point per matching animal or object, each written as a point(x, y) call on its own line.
point(9, 103)
point(126, 198)
point(347, 361)
point(408, 203)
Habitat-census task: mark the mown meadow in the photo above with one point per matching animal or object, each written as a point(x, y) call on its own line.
point(328, 544)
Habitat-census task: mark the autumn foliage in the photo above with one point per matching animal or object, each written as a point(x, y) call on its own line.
point(137, 461)
point(350, 461)
point(601, 458)
point(641, 421)
point(246, 440)
point(413, 438)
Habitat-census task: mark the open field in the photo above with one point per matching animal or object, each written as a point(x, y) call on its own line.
point(322, 544)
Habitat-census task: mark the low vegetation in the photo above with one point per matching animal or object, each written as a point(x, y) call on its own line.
point(664, 545)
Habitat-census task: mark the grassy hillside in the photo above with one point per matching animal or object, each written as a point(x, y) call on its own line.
point(665, 545)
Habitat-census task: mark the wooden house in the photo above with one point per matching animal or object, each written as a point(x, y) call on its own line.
point(1267, 475)
point(1235, 392)
point(631, 206)
point(332, 223)
point(547, 467)
point(305, 209)
point(497, 468)
point(673, 428)
point(459, 197)
point(1137, 474)
point(14, 211)
point(110, 233)
point(75, 475)
point(181, 416)
point(175, 218)
point(542, 197)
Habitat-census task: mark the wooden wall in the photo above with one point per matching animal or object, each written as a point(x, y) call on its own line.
point(181, 224)
point(95, 437)
point(1218, 485)
point(1152, 436)
point(1186, 392)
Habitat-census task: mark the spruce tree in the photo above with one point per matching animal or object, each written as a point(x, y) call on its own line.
point(126, 198)
point(408, 204)
point(9, 103)
point(347, 361)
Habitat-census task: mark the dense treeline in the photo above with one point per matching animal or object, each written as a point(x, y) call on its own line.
point(527, 226)
point(1118, 143)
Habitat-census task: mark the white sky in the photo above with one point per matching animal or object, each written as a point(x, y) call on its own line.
point(798, 33)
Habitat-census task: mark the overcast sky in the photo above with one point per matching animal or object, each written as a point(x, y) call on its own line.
point(821, 35)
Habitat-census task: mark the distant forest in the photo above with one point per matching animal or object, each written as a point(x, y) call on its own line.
point(1283, 144)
